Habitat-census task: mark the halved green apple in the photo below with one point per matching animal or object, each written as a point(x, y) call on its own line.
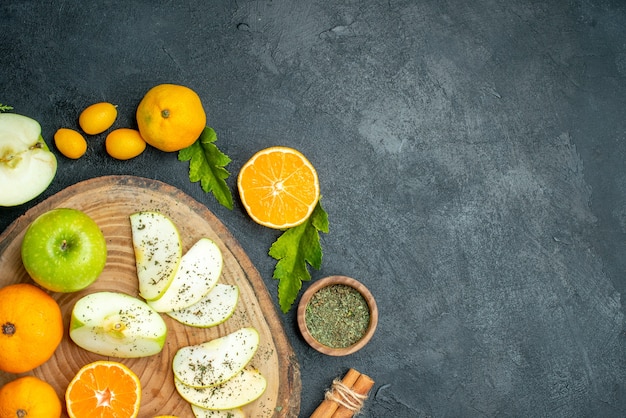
point(200, 412)
point(213, 309)
point(245, 387)
point(214, 362)
point(197, 274)
point(158, 251)
point(27, 166)
point(118, 325)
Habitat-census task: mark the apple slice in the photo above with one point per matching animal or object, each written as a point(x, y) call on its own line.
point(117, 325)
point(214, 362)
point(27, 166)
point(213, 309)
point(245, 387)
point(158, 251)
point(197, 274)
point(200, 412)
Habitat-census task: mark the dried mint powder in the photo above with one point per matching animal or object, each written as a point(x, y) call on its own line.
point(337, 316)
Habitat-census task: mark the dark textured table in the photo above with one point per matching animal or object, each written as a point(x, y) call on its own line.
point(471, 158)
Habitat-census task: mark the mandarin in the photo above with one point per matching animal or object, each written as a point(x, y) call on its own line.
point(278, 187)
point(170, 117)
point(31, 327)
point(31, 397)
point(105, 389)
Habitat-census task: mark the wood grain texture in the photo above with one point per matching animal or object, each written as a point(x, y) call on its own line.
point(109, 201)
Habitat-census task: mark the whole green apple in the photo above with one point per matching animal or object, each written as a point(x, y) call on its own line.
point(64, 250)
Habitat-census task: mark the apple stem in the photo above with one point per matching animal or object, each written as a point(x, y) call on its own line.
point(63, 245)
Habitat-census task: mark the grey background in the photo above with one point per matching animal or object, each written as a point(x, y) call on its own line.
point(471, 158)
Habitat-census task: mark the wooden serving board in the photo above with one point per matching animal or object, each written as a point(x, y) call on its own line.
point(109, 201)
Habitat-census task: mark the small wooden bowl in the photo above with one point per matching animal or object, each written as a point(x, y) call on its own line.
point(329, 281)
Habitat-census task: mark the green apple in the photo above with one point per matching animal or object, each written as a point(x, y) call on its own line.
point(27, 166)
point(245, 387)
point(216, 361)
point(64, 250)
point(200, 412)
point(118, 325)
point(213, 309)
point(158, 252)
point(197, 275)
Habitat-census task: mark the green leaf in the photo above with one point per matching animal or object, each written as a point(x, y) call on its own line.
point(294, 249)
point(5, 108)
point(207, 165)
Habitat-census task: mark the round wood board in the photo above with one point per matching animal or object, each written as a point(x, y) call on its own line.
point(109, 201)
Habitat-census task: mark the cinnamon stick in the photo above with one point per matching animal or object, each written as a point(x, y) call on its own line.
point(351, 392)
point(328, 407)
point(361, 388)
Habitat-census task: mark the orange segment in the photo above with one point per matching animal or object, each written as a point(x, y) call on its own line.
point(103, 389)
point(278, 187)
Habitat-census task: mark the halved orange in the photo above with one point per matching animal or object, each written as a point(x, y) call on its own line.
point(103, 389)
point(278, 187)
